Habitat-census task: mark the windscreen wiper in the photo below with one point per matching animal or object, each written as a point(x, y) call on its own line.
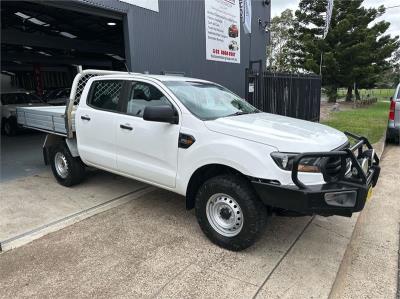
point(240, 113)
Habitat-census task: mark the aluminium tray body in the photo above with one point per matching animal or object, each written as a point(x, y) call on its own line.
point(50, 119)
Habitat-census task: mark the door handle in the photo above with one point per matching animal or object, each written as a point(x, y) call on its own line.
point(126, 127)
point(85, 117)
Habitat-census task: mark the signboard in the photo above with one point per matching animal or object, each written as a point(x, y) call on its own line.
point(222, 20)
point(148, 4)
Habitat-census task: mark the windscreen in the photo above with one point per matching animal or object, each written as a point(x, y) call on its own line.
point(209, 101)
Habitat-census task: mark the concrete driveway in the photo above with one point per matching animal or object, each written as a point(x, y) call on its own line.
point(153, 247)
point(21, 155)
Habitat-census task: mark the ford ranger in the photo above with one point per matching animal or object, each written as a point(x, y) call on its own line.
point(234, 164)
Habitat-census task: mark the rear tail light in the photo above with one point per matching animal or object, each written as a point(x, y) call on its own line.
point(391, 109)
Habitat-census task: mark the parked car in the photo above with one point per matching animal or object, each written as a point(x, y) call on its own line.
point(8, 104)
point(57, 97)
point(393, 129)
point(234, 164)
point(233, 31)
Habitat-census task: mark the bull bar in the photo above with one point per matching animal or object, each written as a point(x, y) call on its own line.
point(312, 199)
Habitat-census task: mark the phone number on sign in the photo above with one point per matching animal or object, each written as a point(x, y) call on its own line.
point(224, 52)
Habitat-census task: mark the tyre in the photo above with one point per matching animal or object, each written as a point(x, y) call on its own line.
point(10, 127)
point(229, 212)
point(3, 120)
point(66, 169)
point(394, 138)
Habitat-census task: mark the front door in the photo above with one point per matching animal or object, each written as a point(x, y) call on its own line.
point(146, 150)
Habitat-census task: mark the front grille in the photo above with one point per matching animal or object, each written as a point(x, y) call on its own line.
point(332, 166)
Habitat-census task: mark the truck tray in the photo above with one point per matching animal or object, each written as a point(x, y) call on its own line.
point(50, 119)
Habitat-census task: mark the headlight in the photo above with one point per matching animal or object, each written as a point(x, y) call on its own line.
point(285, 162)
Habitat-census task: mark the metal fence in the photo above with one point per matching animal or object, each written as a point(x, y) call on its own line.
point(294, 95)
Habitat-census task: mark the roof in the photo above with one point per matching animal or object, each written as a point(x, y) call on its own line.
point(162, 78)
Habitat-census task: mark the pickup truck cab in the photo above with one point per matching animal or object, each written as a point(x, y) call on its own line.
point(234, 164)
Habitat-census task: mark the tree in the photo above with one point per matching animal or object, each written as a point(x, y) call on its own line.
point(354, 53)
point(279, 50)
point(395, 70)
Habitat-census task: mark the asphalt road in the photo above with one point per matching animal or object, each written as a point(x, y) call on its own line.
point(21, 155)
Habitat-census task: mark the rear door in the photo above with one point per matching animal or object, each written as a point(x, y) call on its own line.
point(95, 122)
point(146, 150)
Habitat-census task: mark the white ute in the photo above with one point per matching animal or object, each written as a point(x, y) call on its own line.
point(235, 164)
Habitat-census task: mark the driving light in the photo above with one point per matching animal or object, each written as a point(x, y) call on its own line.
point(285, 162)
point(341, 199)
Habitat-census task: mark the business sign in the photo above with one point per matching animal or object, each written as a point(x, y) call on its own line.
point(222, 20)
point(148, 4)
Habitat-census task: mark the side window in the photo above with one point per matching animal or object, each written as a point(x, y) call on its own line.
point(142, 95)
point(105, 95)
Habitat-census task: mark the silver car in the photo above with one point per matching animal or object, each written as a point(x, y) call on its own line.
point(393, 129)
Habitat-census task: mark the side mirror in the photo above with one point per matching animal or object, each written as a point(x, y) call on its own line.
point(164, 114)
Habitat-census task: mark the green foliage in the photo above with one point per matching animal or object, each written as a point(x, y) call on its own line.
point(353, 51)
point(382, 94)
point(279, 50)
point(370, 122)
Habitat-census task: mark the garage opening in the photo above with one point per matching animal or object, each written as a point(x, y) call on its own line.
point(43, 46)
point(44, 42)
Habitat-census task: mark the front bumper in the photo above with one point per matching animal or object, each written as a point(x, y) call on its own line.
point(311, 199)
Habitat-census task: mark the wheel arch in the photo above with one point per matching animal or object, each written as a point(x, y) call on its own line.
point(203, 173)
point(52, 140)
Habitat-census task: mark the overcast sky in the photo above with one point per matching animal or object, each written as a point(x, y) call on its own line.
point(392, 15)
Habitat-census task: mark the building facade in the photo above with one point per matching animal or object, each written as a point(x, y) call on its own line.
point(169, 36)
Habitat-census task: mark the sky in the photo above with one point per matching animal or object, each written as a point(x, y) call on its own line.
point(392, 15)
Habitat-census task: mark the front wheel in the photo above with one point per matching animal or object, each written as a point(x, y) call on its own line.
point(68, 170)
point(229, 212)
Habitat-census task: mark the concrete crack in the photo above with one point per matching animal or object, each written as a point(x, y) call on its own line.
point(283, 257)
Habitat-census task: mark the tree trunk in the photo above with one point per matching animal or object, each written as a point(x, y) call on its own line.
point(331, 92)
point(349, 94)
point(357, 94)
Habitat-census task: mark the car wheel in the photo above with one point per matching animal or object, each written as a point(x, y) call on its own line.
point(10, 127)
point(229, 212)
point(3, 121)
point(66, 169)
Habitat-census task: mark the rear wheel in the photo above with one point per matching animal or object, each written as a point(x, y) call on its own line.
point(10, 127)
point(229, 212)
point(67, 170)
point(395, 139)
